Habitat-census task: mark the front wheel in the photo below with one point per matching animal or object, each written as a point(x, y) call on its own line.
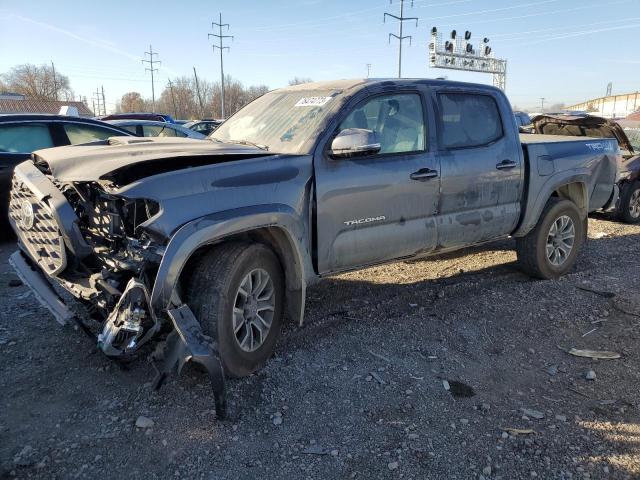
point(237, 293)
point(552, 247)
point(628, 209)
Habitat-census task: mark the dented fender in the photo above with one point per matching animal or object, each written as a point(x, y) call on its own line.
point(216, 227)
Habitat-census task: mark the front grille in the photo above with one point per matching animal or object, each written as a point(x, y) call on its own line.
point(37, 228)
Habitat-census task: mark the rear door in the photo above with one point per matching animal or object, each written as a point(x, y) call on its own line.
point(378, 207)
point(481, 167)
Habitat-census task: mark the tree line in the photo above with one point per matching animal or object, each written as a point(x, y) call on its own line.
point(40, 82)
point(181, 97)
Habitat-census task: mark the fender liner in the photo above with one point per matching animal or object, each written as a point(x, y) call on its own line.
point(218, 226)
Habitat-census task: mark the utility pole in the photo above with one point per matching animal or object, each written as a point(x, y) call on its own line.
point(401, 19)
point(220, 47)
point(98, 106)
point(541, 104)
point(198, 91)
point(368, 69)
point(151, 62)
point(55, 82)
point(173, 98)
point(104, 104)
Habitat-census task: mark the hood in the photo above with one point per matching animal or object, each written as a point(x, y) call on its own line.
point(581, 126)
point(126, 159)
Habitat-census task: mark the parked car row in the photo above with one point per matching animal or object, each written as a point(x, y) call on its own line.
point(22, 134)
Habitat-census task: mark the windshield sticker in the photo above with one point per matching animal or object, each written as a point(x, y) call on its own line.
point(312, 101)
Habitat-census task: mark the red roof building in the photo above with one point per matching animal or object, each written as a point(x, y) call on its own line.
point(17, 104)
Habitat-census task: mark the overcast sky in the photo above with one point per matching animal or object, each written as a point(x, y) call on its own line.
point(563, 50)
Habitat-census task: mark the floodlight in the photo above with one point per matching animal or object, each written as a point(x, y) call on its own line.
point(453, 34)
point(486, 40)
point(467, 35)
point(434, 30)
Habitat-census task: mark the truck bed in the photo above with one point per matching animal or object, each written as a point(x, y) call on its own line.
point(551, 155)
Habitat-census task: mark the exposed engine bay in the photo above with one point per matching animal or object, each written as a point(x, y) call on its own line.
point(122, 264)
point(94, 244)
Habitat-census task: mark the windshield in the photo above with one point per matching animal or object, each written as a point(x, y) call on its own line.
point(633, 134)
point(283, 121)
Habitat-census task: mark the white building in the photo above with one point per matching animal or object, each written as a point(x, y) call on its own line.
point(613, 106)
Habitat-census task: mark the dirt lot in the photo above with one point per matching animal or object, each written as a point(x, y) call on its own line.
point(359, 391)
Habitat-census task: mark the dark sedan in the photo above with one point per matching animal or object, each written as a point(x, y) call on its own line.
point(20, 135)
point(205, 127)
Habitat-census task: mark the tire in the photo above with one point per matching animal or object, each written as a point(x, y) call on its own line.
point(628, 210)
point(533, 256)
point(213, 292)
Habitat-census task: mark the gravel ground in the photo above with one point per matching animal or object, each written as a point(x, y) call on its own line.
point(360, 391)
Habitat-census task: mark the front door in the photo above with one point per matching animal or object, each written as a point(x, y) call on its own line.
point(379, 207)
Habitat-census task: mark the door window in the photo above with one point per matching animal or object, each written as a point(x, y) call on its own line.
point(158, 131)
point(24, 138)
point(87, 133)
point(469, 120)
point(398, 121)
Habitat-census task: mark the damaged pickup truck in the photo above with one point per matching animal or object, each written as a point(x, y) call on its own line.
point(220, 238)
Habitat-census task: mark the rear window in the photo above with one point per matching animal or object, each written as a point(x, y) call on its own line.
point(468, 120)
point(24, 138)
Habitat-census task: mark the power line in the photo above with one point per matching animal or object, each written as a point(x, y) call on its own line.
point(368, 69)
point(541, 104)
point(151, 62)
point(401, 19)
point(220, 47)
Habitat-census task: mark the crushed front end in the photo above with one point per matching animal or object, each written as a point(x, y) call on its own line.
point(90, 242)
point(94, 244)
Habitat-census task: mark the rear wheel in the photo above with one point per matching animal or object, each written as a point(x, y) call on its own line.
point(237, 293)
point(552, 247)
point(628, 209)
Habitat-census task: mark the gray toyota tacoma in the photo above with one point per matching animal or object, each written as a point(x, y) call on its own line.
point(210, 244)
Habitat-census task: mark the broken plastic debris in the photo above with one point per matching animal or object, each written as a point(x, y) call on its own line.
point(600, 354)
point(532, 413)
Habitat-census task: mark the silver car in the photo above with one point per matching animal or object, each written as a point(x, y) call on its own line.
point(149, 128)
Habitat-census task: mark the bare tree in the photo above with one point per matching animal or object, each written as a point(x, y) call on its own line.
point(299, 80)
point(37, 82)
point(131, 102)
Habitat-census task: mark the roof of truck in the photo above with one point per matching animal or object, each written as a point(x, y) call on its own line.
point(347, 84)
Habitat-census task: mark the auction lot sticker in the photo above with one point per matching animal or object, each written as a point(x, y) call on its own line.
point(312, 101)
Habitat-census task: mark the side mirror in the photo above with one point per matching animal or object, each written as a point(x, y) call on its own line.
point(352, 142)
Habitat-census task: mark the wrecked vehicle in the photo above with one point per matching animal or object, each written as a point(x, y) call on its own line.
point(221, 238)
point(627, 209)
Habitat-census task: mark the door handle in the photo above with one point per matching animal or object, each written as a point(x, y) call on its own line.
point(423, 174)
point(506, 165)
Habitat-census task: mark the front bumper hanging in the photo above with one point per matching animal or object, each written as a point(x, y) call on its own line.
point(187, 343)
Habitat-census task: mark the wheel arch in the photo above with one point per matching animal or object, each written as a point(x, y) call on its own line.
point(277, 228)
point(573, 188)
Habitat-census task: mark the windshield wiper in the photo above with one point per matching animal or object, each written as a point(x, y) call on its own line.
point(253, 144)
